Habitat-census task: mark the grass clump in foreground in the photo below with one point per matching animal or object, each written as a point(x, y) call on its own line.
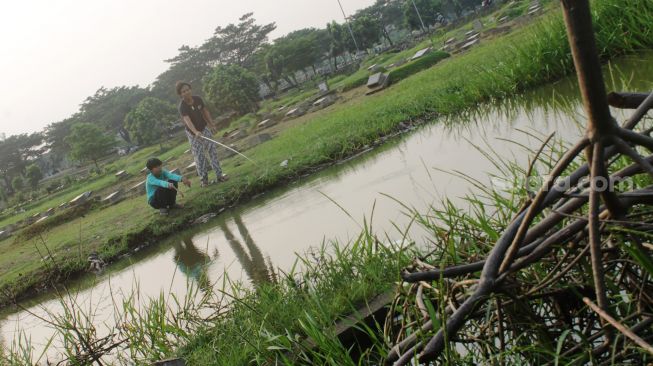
point(495, 70)
point(228, 323)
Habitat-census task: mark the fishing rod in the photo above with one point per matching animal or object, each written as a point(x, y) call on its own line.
point(229, 148)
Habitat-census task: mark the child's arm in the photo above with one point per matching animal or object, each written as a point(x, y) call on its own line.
point(157, 182)
point(175, 177)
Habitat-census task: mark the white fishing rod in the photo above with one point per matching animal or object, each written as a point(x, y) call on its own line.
point(228, 148)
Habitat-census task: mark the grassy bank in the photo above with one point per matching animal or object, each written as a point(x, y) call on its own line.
point(536, 54)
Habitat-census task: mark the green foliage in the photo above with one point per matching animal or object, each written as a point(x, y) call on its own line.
point(108, 108)
point(148, 121)
point(428, 10)
point(231, 87)
point(88, 143)
point(416, 66)
point(18, 183)
point(367, 31)
point(33, 175)
point(16, 152)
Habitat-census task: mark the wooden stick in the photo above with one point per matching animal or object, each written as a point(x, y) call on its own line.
point(620, 327)
point(625, 100)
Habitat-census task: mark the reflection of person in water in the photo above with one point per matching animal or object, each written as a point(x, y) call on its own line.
point(253, 262)
point(192, 261)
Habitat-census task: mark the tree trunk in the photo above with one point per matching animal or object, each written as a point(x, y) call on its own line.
point(387, 36)
point(314, 71)
point(124, 135)
point(8, 187)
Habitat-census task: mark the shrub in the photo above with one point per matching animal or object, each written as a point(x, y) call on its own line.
point(416, 66)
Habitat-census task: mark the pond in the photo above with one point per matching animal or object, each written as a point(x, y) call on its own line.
point(250, 242)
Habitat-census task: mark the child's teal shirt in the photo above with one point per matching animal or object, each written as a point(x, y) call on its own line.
point(152, 182)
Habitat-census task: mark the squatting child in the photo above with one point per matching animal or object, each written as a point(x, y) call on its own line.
point(161, 187)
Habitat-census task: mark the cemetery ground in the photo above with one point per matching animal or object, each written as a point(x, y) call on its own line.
point(498, 67)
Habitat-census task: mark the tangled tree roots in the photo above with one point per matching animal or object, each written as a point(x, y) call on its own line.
point(566, 231)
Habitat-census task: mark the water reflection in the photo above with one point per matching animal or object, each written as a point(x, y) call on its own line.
point(192, 262)
point(250, 256)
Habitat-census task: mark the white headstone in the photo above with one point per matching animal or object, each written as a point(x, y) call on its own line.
point(81, 198)
point(376, 80)
point(265, 124)
point(421, 53)
point(323, 87)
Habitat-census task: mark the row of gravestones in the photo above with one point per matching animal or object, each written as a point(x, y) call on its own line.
point(379, 80)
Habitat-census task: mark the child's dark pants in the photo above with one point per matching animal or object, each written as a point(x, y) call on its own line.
point(164, 197)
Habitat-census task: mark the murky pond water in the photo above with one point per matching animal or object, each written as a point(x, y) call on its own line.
point(250, 242)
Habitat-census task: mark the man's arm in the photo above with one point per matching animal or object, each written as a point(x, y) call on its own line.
point(208, 119)
point(190, 125)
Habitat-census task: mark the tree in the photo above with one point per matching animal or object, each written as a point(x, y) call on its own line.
point(429, 10)
point(300, 49)
point(339, 40)
point(367, 30)
point(33, 175)
point(190, 65)
point(147, 123)
point(388, 13)
point(17, 183)
point(236, 43)
point(88, 143)
point(16, 152)
point(231, 87)
point(108, 108)
point(55, 138)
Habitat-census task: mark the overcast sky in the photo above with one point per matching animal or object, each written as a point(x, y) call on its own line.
point(55, 53)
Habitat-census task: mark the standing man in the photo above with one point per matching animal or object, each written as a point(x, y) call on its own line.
point(198, 123)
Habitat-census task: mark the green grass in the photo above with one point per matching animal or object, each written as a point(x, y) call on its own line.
point(490, 72)
point(416, 66)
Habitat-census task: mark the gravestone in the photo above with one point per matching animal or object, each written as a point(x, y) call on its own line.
point(113, 198)
point(187, 151)
point(81, 198)
point(450, 41)
point(176, 171)
point(470, 44)
point(49, 212)
point(280, 109)
point(325, 101)
point(237, 134)
point(266, 124)
point(138, 188)
point(376, 80)
point(469, 33)
point(4, 234)
point(63, 205)
point(122, 174)
point(323, 87)
point(473, 37)
point(477, 25)
point(41, 220)
point(190, 168)
point(169, 159)
point(144, 170)
point(420, 53)
point(284, 164)
point(397, 63)
point(296, 112)
point(503, 19)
